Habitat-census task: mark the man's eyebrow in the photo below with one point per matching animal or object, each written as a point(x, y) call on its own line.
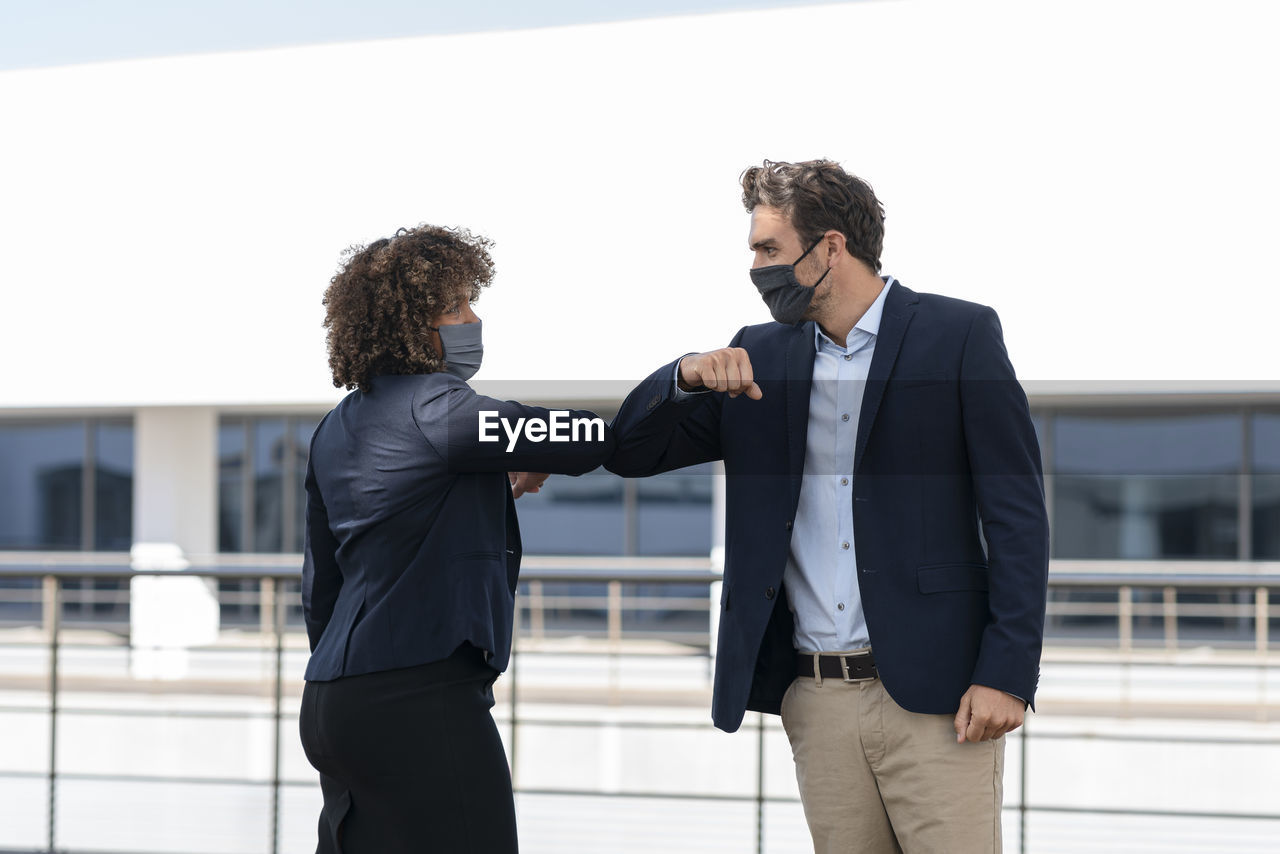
point(766, 243)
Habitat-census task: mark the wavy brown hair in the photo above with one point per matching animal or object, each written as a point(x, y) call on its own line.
point(380, 303)
point(817, 196)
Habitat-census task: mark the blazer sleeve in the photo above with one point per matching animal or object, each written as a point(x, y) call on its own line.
point(467, 430)
point(658, 432)
point(321, 578)
point(1004, 458)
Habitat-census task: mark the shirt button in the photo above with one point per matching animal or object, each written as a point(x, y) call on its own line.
point(848, 356)
point(844, 417)
point(845, 545)
point(840, 606)
point(844, 481)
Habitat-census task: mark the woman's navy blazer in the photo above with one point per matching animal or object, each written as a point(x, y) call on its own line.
point(412, 544)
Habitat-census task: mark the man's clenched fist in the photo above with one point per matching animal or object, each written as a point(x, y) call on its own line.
point(728, 370)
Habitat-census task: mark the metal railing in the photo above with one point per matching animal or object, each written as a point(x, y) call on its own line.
point(278, 576)
point(1164, 584)
point(53, 574)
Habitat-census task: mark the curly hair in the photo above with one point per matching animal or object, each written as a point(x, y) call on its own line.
point(381, 301)
point(817, 196)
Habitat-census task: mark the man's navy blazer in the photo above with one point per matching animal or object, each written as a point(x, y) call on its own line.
point(412, 543)
point(951, 535)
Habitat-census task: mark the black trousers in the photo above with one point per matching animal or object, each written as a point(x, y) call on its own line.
point(410, 760)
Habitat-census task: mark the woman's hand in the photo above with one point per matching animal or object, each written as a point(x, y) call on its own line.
point(526, 481)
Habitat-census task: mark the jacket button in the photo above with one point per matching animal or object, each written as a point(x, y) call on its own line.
point(769, 593)
point(788, 526)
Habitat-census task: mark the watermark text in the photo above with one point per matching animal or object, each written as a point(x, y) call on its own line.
point(560, 427)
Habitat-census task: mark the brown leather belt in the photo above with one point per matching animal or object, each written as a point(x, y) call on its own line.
point(853, 667)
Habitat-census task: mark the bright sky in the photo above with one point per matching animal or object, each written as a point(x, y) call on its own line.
point(41, 33)
point(1102, 172)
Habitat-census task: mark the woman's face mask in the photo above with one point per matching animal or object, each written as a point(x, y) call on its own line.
point(462, 348)
point(787, 299)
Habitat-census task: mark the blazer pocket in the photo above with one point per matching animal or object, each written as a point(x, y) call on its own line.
point(917, 380)
point(476, 556)
point(943, 578)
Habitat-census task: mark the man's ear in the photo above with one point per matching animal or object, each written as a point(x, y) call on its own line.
point(833, 247)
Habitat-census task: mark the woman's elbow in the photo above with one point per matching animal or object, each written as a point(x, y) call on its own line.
point(598, 454)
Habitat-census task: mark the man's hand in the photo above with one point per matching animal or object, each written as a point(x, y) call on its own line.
point(986, 713)
point(526, 481)
point(728, 370)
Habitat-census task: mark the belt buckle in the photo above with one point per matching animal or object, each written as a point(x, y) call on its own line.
point(844, 668)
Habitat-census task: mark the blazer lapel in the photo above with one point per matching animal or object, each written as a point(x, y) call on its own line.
point(899, 308)
point(798, 383)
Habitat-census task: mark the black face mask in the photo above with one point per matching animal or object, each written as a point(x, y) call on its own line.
point(787, 299)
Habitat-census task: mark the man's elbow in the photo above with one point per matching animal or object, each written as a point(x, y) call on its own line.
point(626, 462)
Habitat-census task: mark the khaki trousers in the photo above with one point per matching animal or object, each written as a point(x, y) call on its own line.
point(876, 778)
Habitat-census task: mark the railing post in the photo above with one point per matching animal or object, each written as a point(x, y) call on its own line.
point(1262, 620)
point(1171, 619)
point(615, 614)
point(53, 622)
point(759, 783)
point(266, 606)
point(1022, 785)
point(272, 586)
point(537, 620)
point(615, 638)
point(49, 604)
point(1126, 618)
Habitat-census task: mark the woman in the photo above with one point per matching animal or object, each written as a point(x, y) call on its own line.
point(412, 553)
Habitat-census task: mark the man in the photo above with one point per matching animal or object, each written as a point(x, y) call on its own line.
point(886, 543)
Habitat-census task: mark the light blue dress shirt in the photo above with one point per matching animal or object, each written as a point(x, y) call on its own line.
point(822, 570)
point(821, 575)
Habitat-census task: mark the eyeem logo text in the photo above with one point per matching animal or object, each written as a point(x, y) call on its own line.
point(560, 428)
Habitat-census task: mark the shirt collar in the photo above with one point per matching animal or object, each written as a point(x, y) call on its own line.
point(868, 323)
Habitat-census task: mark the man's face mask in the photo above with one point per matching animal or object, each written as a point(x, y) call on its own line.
point(787, 299)
point(462, 348)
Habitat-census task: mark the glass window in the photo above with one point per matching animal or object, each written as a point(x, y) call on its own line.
point(41, 485)
point(1040, 422)
point(302, 430)
point(269, 455)
point(673, 512)
point(602, 514)
point(1146, 486)
point(113, 486)
point(231, 485)
point(51, 500)
point(1266, 486)
point(583, 515)
point(262, 464)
